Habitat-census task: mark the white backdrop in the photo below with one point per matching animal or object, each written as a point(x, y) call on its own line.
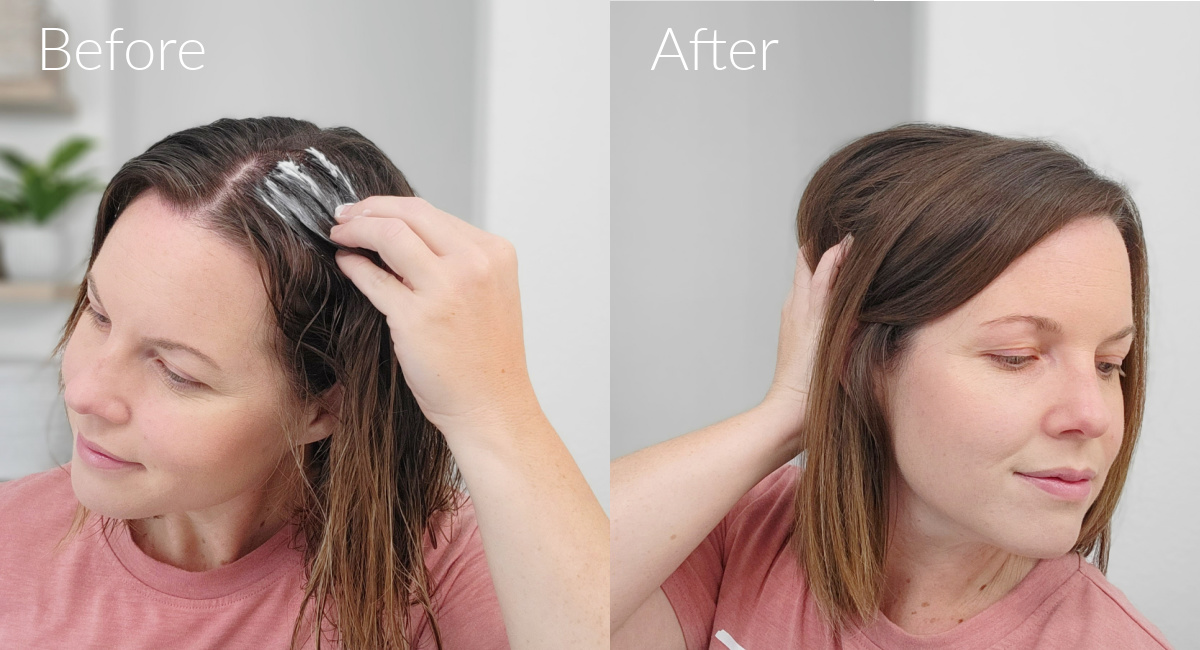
point(544, 177)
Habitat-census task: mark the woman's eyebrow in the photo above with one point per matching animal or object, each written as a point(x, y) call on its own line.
point(166, 344)
point(1041, 323)
point(1128, 331)
point(1051, 326)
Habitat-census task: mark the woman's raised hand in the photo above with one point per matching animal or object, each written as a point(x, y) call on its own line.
point(452, 305)
point(800, 327)
point(667, 498)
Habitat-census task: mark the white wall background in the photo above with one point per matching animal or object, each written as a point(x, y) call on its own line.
point(1119, 85)
point(544, 185)
point(445, 88)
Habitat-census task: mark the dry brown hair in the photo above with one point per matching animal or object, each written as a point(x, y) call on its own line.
point(937, 213)
point(383, 480)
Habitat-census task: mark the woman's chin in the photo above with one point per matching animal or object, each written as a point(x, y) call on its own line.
point(1047, 543)
point(104, 500)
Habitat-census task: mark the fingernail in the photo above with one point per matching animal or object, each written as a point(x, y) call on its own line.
point(337, 212)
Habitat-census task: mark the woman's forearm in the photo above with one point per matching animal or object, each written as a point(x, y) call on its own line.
point(454, 310)
point(544, 534)
point(667, 498)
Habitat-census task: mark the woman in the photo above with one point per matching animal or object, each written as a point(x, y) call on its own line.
point(964, 370)
point(270, 411)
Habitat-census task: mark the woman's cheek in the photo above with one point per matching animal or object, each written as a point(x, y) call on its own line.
point(179, 439)
point(223, 444)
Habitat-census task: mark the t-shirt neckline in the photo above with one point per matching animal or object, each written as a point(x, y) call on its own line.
point(991, 625)
point(268, 559)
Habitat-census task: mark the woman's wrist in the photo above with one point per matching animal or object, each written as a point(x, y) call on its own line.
point(510, 428)
point(780, 420)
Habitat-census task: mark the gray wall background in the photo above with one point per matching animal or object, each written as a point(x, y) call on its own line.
point(708, 168)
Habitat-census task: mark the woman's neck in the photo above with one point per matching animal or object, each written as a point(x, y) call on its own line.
point(216, 536)
point(930, 589)
point(937, 575)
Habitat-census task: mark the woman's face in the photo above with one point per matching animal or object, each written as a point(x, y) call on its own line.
point(198, 431)
point(1007, 413)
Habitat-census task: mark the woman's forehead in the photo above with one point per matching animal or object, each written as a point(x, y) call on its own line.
point(1078, 275)
point(1075, 282)
point(168, 277)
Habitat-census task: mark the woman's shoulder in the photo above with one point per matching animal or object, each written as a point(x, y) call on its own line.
point(37, 499)
point(465, 603)
point(453, 535)
point(770, 502)
point(1068, 603)
point(37, 511)
point(780, 484)
point(1103, 611)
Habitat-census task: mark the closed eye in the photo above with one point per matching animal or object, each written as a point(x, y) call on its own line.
point(1108, 370)
point(173, 380)
point(99, 320)
point(1012, 361)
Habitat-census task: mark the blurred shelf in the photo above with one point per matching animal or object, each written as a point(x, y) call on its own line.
point(37, 291)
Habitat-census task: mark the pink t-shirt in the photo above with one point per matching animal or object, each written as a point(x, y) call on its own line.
point(743, 589)
point(109, 594)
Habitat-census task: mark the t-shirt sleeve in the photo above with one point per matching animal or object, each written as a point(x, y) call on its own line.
point(464, 599)
point(693, 588)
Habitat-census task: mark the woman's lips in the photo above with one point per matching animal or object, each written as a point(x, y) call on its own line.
point(95, 456)
point(1069, 484)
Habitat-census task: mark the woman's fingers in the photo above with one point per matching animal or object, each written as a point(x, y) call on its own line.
point(799, 330)
point(454, 311)
point(443, 233)
point(384, 290)
point(405, 253)
point(826, 273)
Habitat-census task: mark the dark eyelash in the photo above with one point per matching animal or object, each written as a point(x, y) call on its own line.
point(95, 315)
point(176, 380)
point(179, 382)
point(1117, 370)
point(1003, 360)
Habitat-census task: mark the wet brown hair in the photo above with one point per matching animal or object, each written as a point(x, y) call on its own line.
point(936, 213)
point(378, 485)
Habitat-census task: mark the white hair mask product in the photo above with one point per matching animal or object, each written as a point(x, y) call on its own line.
point(305, 195)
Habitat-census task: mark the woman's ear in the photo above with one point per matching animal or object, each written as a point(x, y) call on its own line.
point(324, 415)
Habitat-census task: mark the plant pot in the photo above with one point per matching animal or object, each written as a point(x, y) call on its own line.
point(33, 253)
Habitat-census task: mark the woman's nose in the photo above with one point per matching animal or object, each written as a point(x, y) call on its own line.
point(1082, 401)
point(95, 386)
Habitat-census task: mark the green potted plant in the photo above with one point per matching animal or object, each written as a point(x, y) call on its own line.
point(30, 248)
